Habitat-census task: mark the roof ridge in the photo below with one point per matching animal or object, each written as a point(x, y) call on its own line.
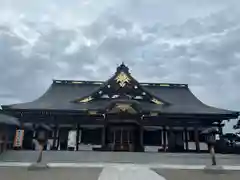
point(102, 82)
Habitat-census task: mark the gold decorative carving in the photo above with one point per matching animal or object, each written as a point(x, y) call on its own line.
point(92, 112)
point(58, 82)
point(122, 79)
point(125, 108)
point(87, 99)
point(156, 101)
point(166, 85)
point(77, 82)
point(153, 114)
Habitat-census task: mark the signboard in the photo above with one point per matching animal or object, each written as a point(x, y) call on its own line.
point(18, 138)
point(49, 144)
point(72, 139)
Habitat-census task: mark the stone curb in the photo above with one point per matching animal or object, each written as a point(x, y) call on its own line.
point(38, 166)
point(41, 166)
point(215, 169)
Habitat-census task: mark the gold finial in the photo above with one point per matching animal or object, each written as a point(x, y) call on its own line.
point(122, 79)
point(122, 67)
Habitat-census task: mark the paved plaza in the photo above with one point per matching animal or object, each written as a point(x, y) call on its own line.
point(117, 166)
point(119, 157)
point(113, 173)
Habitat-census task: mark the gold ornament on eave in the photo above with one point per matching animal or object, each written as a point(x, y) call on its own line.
point(92, 112)
point(126, 108)
point(122, 79)
point(123, 107)
point(156, 101)
point(86, 99)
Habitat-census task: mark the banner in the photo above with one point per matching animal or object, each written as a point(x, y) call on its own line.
point(72, 139)
point(18, 138)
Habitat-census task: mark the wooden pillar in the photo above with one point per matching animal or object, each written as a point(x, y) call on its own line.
point(220, 129)
point(58, 137)
point(77, 137)
point(186, 138)
point(104, 136)
point(3, 139)
point(6, 138)
point(54, 137)
point(196, 137)
point(141, 143)
point(104, 130)
point(171, 140)
point(1, 142)
point(164, 139)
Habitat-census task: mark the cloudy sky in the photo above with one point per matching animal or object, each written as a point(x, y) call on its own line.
point(188, 41)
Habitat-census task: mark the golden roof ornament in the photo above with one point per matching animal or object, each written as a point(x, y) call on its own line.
point(123, 107)
point(87, 99)
point(122, 68)
point(92, 112)
point(154, 100)
point(153, 113)
point(122, 79)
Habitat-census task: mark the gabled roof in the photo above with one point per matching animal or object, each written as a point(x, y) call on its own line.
point(124, 85)
point(86, 95)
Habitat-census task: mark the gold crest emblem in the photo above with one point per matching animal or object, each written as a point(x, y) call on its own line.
point(122, 79)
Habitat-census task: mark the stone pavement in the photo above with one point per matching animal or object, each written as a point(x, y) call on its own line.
point(113, 173)
point(21, 173)
point(88, 165)
point(118, 157)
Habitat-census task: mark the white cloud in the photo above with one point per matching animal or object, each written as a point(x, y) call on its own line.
point(195, 42)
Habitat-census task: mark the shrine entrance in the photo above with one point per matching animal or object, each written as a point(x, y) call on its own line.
point(123, 137)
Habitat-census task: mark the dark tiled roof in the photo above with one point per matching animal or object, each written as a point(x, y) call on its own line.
point(182, 100)
point(61, 94)
point(84, 95)
point(8, 120)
